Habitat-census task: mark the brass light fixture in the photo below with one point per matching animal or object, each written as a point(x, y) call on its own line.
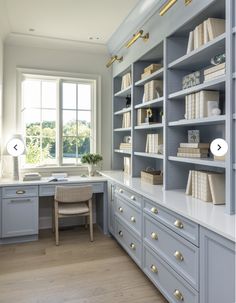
point(166, 7)
point(136, 36)
point(187, 2)
point(113, 59)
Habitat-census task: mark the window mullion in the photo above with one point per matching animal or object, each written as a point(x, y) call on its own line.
point(59, 127)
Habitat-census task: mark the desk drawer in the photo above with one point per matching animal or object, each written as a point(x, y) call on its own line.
point(129, 195)
point(19, 191)
point(175, 288)
point(184, 227)
point(179, 253)
point(130, 214)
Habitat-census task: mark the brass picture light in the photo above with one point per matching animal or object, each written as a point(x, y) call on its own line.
point(113, 59)
point(136, 36)
point(169, 4)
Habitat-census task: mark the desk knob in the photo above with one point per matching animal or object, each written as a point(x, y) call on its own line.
point(154, 236)
point(120, 209)
point(178, 256)
point(178, 295)
point(120, 233)
point(179, 224)
point(154, 269)
point(132, 219)
point(20, 192)
point(154, 210)
point(132, 245)
point(133, 198)
point(121, 191)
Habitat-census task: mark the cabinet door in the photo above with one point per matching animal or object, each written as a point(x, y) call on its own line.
point(217, 266)
point(19, 217)
point(111, 210)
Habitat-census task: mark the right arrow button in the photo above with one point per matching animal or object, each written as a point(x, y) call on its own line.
point(219, 147)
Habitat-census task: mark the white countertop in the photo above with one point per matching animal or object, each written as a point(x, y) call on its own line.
point(206, 214)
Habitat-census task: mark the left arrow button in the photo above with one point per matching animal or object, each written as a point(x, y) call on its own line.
point(15, 147)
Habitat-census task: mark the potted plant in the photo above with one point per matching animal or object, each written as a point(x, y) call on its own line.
point(92, 160)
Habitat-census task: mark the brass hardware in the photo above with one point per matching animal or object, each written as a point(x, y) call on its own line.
point(132, 219)
point(120, 233)
point(154, 269)
point(120, 209)
point(166, 7)
point(20, 192)
point(136, 36)
point(154, 210)
point(133, 198)
point(178, 295)
point(179, 224)
point(121, 191)
point(132, 246)
point(187, 2)
point(178, 255)
point(154, 236)
point(113, 59)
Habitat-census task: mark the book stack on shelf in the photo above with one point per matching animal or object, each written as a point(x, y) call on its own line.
point(214, 72)
point(125, 146)
point(205, 32)
point(201, 104)
point(126, 121)
point(153, 90)
point(150, 70)
point(126, 81)
point(154, 143)
point(193, 150)
point(206, 186)
point(127, 165)
point(141, 115)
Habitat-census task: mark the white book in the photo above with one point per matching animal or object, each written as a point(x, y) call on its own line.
point(217, 187)
point(205, 32)
point(206, 96)
point(189, 184)
point(190, 43)
point(215, 27)
point(197, 105)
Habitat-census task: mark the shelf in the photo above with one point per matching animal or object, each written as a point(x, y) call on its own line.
point(122, 111)
point(149, 155)
point(201, 57)
point(120, 151)
point(215, 84)
point(154, 103)
point(156, 75)
point(124, 92)
point(149, 126)
point(203, 121)
point(122, 129)
point(207, 162)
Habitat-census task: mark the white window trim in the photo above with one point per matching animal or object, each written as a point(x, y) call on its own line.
point(21, 72)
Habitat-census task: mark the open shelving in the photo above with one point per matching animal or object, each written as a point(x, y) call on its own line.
point(203, 121)
point(153, 103)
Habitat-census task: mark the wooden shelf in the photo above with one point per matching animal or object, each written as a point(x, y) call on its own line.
point(215, 84)
point(200, 57)
point(149, 155)
point(122, 111)
point(122, 129)
point(203, 121)
point(149, 126)
point(156, 75)
point(206, 162)
point(120, 151)
point(124, 92)
point(153, 103)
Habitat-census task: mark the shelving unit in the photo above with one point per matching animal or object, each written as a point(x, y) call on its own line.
point(153, 103)
point(203, 121)
point(204, 162)
point(150, 126)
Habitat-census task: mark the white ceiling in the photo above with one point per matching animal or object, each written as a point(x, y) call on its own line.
point(76, 20)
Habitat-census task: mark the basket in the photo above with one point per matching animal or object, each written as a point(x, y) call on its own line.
point(154, 177)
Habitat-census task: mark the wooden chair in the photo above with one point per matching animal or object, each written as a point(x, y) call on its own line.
point(73, 201)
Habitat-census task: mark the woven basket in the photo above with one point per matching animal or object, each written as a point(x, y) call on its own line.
point(154, 177)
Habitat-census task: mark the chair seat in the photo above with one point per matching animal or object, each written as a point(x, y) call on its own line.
point(72, 208)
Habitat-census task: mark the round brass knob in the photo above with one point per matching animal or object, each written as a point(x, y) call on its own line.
point(154, 236)
point(120, 233)
point(178, 295)
point(133, 198)
point(179, 224)
point(154, 269)
point(121, 191)
point(178, 256)
point(132, 219)
point(120, 209)
point(154, 210)
point(132, 246)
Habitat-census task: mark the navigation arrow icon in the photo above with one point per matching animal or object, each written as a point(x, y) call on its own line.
point(15, 147)
point(219, 147)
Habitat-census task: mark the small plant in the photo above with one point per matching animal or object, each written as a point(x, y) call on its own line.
point(91, 158)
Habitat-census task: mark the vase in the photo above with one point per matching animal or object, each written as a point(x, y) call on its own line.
point(91, 170)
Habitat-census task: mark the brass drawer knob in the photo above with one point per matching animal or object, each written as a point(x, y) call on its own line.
point(154, 236)
point(154, 269)
point(132, 245)
point(132, 219)
point(154, 210)
point(179, 224)
point(120, 209)
point(178, 295)
point(120, 233)
point(121, 191)
point(178, 256)
point(20, 192)
point(133, 198)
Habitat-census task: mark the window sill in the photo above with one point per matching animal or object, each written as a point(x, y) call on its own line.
point(47, 170)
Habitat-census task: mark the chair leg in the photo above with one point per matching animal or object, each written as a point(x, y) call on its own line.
point(56, 224)
point(53, 219)
point(86, 222)
point(91, 220)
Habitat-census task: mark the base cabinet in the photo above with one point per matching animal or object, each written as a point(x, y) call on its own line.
point(217, 268)
point(111, 208)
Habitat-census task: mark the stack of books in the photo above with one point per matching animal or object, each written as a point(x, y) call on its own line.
point(205, 32)
point(150, 69)
point(206, 186)
point(193, 150)
point(127, 165)
point(32, 177)
point(153, 90)
point(214, 72)
point(141, 115)
point(125, 146)
point(199, 105)
point(126, 121)
point(152, 143)
point(126, 81)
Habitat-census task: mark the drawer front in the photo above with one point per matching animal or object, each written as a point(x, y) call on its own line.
point(175, 288)
point(176, 251)
point(129, 195)
point(184, 227)
point(130, 214)
point(130, 242)
point(19, 217)
point(19, 191)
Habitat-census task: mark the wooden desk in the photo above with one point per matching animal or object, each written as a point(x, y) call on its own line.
point(19, 205)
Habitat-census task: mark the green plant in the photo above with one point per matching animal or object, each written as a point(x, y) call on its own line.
point(91, 158)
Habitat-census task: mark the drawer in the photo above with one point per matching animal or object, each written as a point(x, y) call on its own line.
point(184, 227)
point(129, 195)
point(179, 253)
point(129, 242)
point(130, 214)
point(175, 288)
point(19, 191)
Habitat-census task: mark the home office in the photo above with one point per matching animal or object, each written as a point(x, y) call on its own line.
point(117, 151)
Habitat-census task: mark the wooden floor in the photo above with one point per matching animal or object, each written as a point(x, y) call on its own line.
point(77, 271)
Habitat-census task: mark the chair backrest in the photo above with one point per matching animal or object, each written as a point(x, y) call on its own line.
point(73, 194)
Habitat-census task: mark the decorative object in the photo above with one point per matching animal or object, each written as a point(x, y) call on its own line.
point(216, 112)
point(218, 59)
point(113, 59)
point(191, 80)
point(127, 139)
point(149, 117)
point(92, 160)
point(128, 101)
point(152, 176)
point(136, 36)
point(193, 136)
point(166, 7)
point(162, 115)
point(210, 106)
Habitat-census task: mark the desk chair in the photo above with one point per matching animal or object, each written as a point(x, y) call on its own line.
point(73, 201)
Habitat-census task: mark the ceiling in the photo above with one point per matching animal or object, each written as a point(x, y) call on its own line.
point(80, 20)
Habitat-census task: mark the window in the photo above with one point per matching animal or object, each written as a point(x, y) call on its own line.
point(57, 119)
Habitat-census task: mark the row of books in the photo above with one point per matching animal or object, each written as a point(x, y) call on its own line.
point(126, 81)
point(150, 69)
point(206, 186)
point(193, 150)
point(126, 120)
point(205, 32)
point(200, 104)
point(153, 90)
point(127, 165)
point(214, 72)
point(153, 142)
point(125, 146)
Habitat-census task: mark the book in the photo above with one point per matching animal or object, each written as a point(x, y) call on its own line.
point(190, 46)
point(217, 187)
point(195, 145)
point(195, 37)
point(204, 97)
point(210, 106)
point(152, 67)
point(197, 106)
point(215, 27)
point(141, 115)
point(214, 68)
point(215, 75)
point(127, 165)
point(191, 155)
point(193, 150)
point(205, 32)
point(189, 184)
point(200, 35)
point(126, 81)
point(205, 187)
